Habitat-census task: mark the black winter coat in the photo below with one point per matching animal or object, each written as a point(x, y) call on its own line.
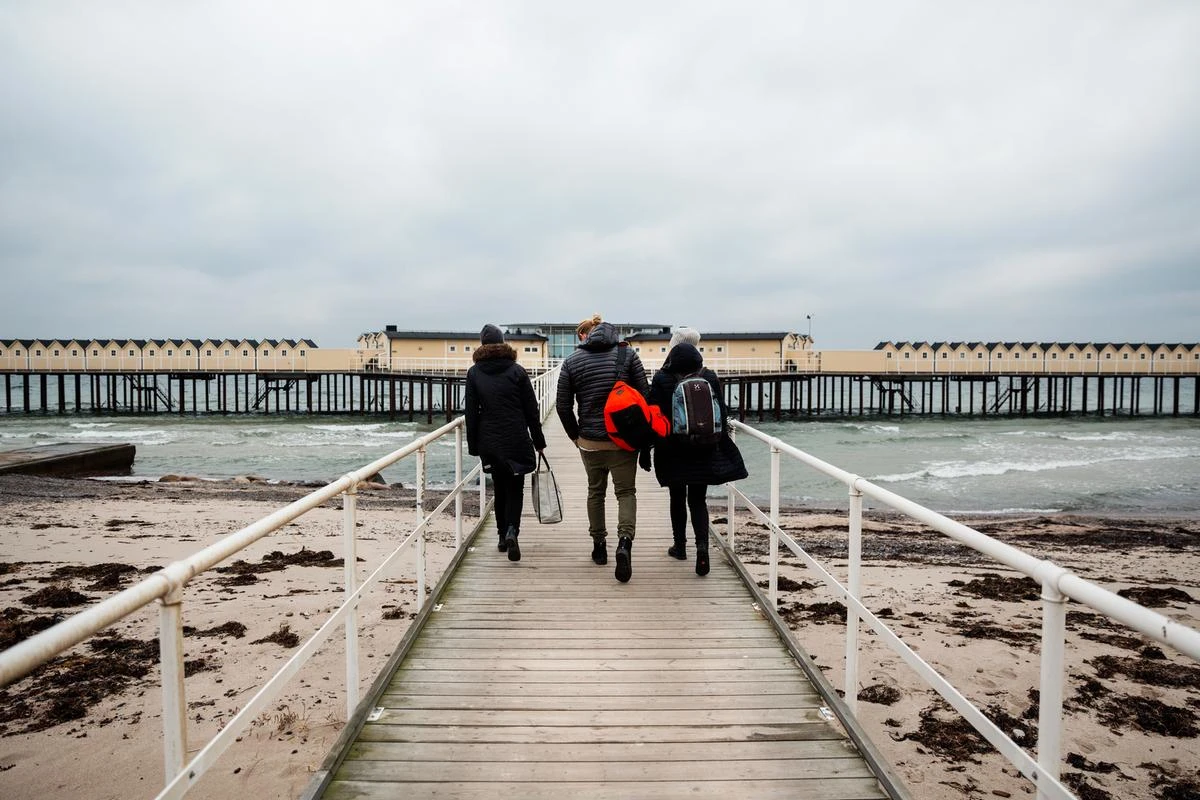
point(588, 376)
point(676, 461)
point(502, 412)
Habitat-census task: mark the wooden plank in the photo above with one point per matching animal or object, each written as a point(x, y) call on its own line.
point(527, 701)
point(716, 789)
point(600, 751)
point(628, 736)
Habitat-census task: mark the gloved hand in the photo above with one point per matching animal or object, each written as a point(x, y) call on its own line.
point(644, 458)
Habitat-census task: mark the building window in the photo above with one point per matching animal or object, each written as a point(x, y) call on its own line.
point(1054, 356)
point(39, 352)
point(95, 352)
point(208, 353)
point(112, 352)
point(245, 354)
point(266, 353)
point(151, 354)
point(662, 349)
point(187, 352)
point(466, 349)
point(1071, 356)
point(1161, 356)
point(453, 349)
point(56, 354)
point(924, 355)
point(962, 355)
point(945, 355)
point(889, 355)
point(1142, 356)
point(1108, 356)
point(283, 353)
point(74, 353)
point(908, 355)
point(1016, 355)
point(130, 352)
point(1125, 357)
point(301, 354)
point(227, 354)
point(1089, 356)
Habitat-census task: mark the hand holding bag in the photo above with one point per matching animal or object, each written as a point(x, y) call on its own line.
point(547, 501)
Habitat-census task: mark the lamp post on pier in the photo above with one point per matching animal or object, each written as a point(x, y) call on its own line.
point(809, 316)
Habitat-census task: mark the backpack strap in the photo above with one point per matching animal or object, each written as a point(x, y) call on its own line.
point(620, 361)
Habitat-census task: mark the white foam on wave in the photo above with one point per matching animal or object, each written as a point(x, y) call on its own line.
point(964, 469)
point(348, 427)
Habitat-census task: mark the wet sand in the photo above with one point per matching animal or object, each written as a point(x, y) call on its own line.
point(88, 725)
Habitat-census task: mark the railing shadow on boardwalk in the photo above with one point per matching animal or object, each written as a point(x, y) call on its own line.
point(560, 602)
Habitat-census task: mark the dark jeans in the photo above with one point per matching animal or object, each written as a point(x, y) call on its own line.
point(692, 497)
point(510, 493)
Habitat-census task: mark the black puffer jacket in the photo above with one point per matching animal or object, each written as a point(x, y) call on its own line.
point(678, 462)
point(588, 375)
point(502, 412)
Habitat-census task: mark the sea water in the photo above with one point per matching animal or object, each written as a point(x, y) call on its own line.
point(1144, 466)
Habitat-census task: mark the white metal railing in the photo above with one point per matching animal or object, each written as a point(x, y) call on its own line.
point(1057, 584)
point(167, 587)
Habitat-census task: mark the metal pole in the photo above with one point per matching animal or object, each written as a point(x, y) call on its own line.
point(1050, 709)
point(729, 526)
point(458, 499)
point(174, 704)
point(855, 587)
point(774, 557)
point(350, 564)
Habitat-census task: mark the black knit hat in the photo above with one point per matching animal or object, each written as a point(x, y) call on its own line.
point(491, 335)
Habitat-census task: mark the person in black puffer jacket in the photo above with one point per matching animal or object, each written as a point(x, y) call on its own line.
point(587, 376)
point(688, 470)
point(504, 427)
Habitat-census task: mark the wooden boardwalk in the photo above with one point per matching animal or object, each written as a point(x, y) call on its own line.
point(547, 678)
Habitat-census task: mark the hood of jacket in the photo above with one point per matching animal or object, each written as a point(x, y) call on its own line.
point(494, 358)
point(601, 337)
point(684, 359)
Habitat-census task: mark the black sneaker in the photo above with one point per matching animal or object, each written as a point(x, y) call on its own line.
point(702, 561)
point(678, 551)
point(624, 567)
point(600, 552)
point(502, 545)
point(510, 542)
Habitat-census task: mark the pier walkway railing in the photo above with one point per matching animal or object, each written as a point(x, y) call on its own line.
point(1057, 587)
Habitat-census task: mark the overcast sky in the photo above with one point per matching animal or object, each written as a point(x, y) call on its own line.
point(897, 170)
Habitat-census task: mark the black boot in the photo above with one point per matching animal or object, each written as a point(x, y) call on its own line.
point(599, 551)
point(678, 550)
point(702, 561)
point(624, 561)
point(502, 545)
point(510, 539)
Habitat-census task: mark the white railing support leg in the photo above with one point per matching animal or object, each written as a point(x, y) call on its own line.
point(458, 501)
point(350, 570)
point(854, 586)
point(174, 701)
point(730, 528)
point(773, 569)
point(1050, 708)
point(419, 546)
point(482, 492)
point(420, 502)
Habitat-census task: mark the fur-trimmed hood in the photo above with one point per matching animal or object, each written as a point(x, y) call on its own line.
point(494, 352)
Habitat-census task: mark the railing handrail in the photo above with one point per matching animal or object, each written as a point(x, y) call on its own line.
point(1057, 583)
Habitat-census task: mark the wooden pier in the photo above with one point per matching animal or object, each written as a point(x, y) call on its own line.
point(760, 396)
point(547, 678)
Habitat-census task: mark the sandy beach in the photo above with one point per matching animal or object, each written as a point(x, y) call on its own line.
point(89, 726)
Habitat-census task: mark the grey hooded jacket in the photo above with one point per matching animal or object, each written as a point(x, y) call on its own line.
point(587, 376)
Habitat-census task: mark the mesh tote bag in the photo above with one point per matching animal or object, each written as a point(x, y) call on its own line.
point(547, 501)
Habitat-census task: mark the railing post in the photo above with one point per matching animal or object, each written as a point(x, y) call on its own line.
point(350, 569)
point(174, 701)
point(1054, 631)
point(458, 500)
point(420, 501)
point(855, 588)
point(773, 577)
point(730, 528)
point(419, 544)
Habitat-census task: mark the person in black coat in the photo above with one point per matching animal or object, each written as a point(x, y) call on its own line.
point(688, 470)
point(504, 427)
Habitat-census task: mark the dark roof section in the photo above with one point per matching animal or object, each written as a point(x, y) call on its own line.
point(1029, 345)
point(508, 335)
point(722, 337)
